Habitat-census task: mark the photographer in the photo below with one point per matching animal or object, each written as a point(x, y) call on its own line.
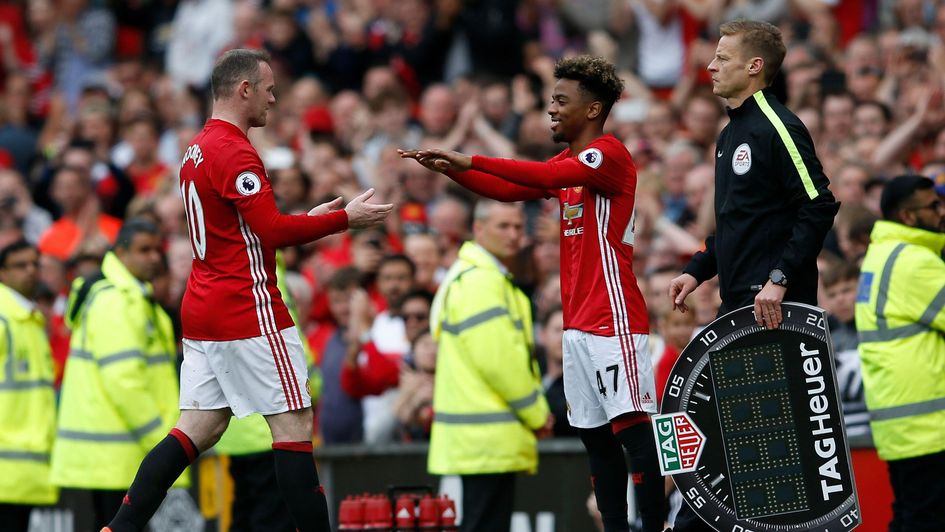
point(19, 216)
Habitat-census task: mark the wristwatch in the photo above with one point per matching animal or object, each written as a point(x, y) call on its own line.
point(777, 277)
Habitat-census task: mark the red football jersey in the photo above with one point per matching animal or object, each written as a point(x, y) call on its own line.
point(599, 291)
point(235, 229)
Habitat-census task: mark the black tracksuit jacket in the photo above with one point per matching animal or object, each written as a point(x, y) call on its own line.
point(772, 206)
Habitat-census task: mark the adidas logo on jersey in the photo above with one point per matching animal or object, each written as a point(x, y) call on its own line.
point(647, 398)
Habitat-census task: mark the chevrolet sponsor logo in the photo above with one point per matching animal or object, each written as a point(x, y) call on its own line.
point(570, 212)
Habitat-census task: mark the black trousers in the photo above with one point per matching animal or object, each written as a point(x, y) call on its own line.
point(257, 504)
point(15, 517)
point(918, 486)
point(488, 502)
point(105, 504)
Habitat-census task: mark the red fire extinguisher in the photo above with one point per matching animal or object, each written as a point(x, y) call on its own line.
point(405, 516)
point(447, 513)
point(377, 514)
point(429, 519)
point(351, 514)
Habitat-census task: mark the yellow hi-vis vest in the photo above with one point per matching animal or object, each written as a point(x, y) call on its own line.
point(27, 404)
point(900, 318)
point(487, 395)
point(120, 391)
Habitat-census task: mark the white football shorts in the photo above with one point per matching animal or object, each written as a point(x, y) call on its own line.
point(606, 376)
point(267, 375)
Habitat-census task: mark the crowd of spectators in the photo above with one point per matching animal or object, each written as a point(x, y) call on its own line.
point(100, 99)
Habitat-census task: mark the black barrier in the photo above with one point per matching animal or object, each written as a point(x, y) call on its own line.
point(561, 486)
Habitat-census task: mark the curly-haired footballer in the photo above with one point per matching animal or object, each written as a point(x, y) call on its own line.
point(608, 374)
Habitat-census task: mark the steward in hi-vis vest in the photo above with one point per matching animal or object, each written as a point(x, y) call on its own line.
point(900, 319)
point(120, 389)
point(27, 399)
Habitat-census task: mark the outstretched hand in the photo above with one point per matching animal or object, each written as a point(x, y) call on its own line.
point(436, 165)
point(326, 207)
point(439, 160)
point(362, 214)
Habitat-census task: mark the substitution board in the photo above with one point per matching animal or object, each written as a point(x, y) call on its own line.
point(751, 427)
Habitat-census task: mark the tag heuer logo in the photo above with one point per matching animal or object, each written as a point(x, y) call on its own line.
point(680, 443)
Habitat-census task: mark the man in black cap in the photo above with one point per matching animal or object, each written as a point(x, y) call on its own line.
point(900, 317)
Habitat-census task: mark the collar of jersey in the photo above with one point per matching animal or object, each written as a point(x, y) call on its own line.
point(748, 105)
point(224, 123)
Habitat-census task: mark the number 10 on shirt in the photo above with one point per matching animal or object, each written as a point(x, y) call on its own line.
point(195, 224)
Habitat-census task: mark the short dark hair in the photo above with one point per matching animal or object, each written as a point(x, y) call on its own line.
point(345, 278)
point(12, 248)
point(857, 221)
point(596, 77)
point(147, 119)
point(898, 191)
point(398, 257)
point(839, 272)
point(416, 293)
point(81, 172)
point(394, 96)
point(841, 94)
point(80, 144)
point(883, 108)
point(233, 67)
point(760, 39)
point(132, 227)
